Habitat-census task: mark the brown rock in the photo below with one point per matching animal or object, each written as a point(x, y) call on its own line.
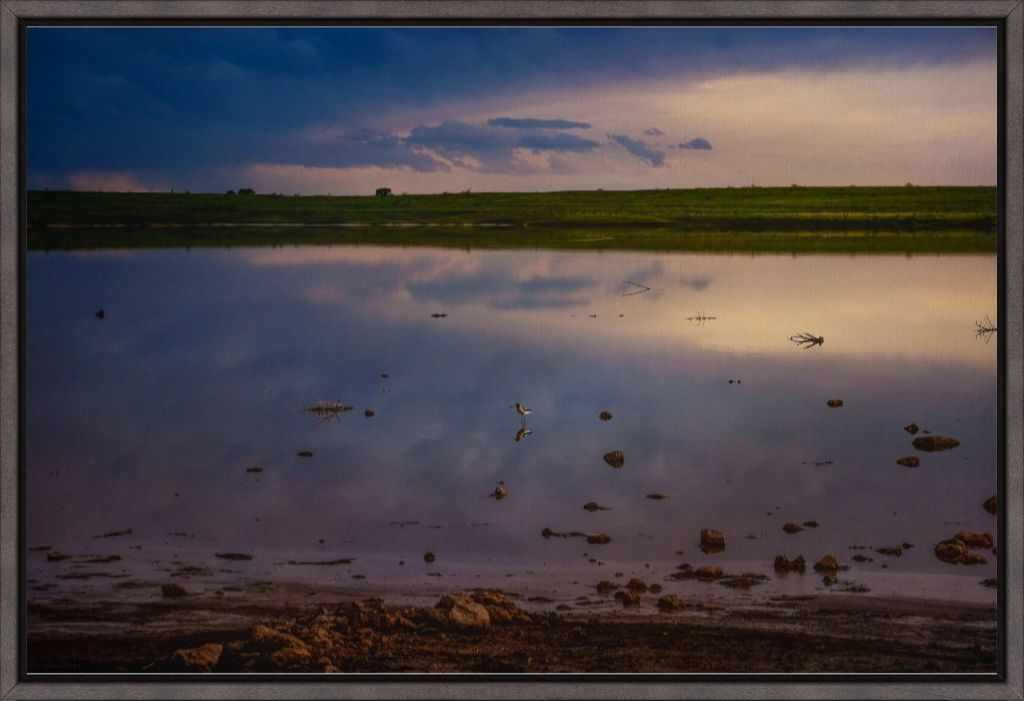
point(305, 453)
point(199, 659)
point(708, 572)
point(605, 587)
point(861, 558)
point(909, 461)
point(599, 539)
point(834, 403)
point(369, 413)
point(655, 588)
point(657, 496)
point(991, 504)
point(829, 563)
point(810, 524)
point(975, 540)
point(463, 612)
point(254, 469)
point(951, 550)
point(593, 506)
point(829, 579)
point(911, 428)
point(712, 539)
point(792, 528)
point(605, 416)
point(173, 590)
point(992, 583)
point(616, 458)
point(931, 444)
point(670, 603)
point(784, 564)
point(500, 493)
point(55, 556)
point(636, 584)
point(429, 557)
point(895, 552)
point(629, 598)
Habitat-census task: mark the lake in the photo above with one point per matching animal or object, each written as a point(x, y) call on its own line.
point(148, 418)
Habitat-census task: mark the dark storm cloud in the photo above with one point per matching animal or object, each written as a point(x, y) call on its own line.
point(698, 144)
point(528, 123)
point(639, 149)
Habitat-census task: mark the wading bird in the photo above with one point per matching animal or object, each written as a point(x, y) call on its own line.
point(522, 411)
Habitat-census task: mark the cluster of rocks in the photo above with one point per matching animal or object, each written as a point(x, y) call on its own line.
point(955, 550)
point(351, 632)
point(710, 573)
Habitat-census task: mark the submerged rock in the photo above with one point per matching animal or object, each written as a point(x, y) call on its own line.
point(931, 444)
point(429, 557)
point(834, 403)
point(233, 556)
point(909, 461)
point(895, 552)
point(594, 506)
point(657, 496)
point(829, 563)
point(254, 469)
point(712, 540)
point(606, 587)
point(829, 579)
point(991, 582)
point(305, 453)
point(784, 564)
point(636, 584)
point(198, 659)
point(56, 556)
point(599, 539)
point(991, 504)
point(173, 590)
point(792, 528)
point(368, 413)
point(911, 428)
point(628, 598)
point(810, 524)
point(670, 603)
point(708, 572)
point(615, 458)
point(605, 416)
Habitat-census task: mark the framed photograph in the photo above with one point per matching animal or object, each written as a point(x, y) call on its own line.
point(472, 349)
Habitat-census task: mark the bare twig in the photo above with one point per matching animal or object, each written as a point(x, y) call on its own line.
point(327, 410)
point(807, 340)
point(985, 330)
point(701, 318)
point(643, 288)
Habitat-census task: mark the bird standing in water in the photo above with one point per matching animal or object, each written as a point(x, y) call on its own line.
point(522, 411)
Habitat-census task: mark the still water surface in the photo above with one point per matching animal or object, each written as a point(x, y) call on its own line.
point(148, 418)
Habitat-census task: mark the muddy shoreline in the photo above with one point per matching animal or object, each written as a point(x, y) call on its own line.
point(493, 631)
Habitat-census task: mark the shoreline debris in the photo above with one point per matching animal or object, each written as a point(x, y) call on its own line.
point(640, 291)
point(985, 329)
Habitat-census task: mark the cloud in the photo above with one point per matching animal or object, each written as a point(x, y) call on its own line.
point(529, 123)
point(639, 149)
point(698, 144)
point(654, 131)
point(556, 142)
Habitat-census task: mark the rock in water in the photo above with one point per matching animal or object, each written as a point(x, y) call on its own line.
point(712, 540)
point(792, 528)
point(670, 603)
point(911, 429)
point(829, 563)
point(429, 557)
point(616, 458)
point(909, 461)
point(931, 444)
point(829, 579)
point(834, 403)
point(198, 659)
point(784, 564)
point(599, 539)
point(500, 493)
point(463, 612)
point(629, 598)
point(173, 590)
point(636, 584)
point(975, 540)
point(605, 416)
point(100, 314)
point(991, 504)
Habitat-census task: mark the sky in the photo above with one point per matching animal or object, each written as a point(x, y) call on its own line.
point(346, 110)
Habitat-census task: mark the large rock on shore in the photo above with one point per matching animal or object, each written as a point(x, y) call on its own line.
point(198, 659)
point(463, 612)
point(286, 650)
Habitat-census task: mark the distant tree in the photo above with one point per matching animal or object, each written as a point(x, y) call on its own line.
point(230, 192)
point(246, 191)
point(383, 191)
point(910, 185)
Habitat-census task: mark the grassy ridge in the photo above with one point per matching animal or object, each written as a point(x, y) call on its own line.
point(629, 238)
point(728, 209)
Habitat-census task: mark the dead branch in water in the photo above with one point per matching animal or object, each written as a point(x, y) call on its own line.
point(985, 330)
point(701, 318)
point(327, 410)
point(643, 288)
point(807, 340)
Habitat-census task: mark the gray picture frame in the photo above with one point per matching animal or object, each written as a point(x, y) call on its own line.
point(13, 13)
